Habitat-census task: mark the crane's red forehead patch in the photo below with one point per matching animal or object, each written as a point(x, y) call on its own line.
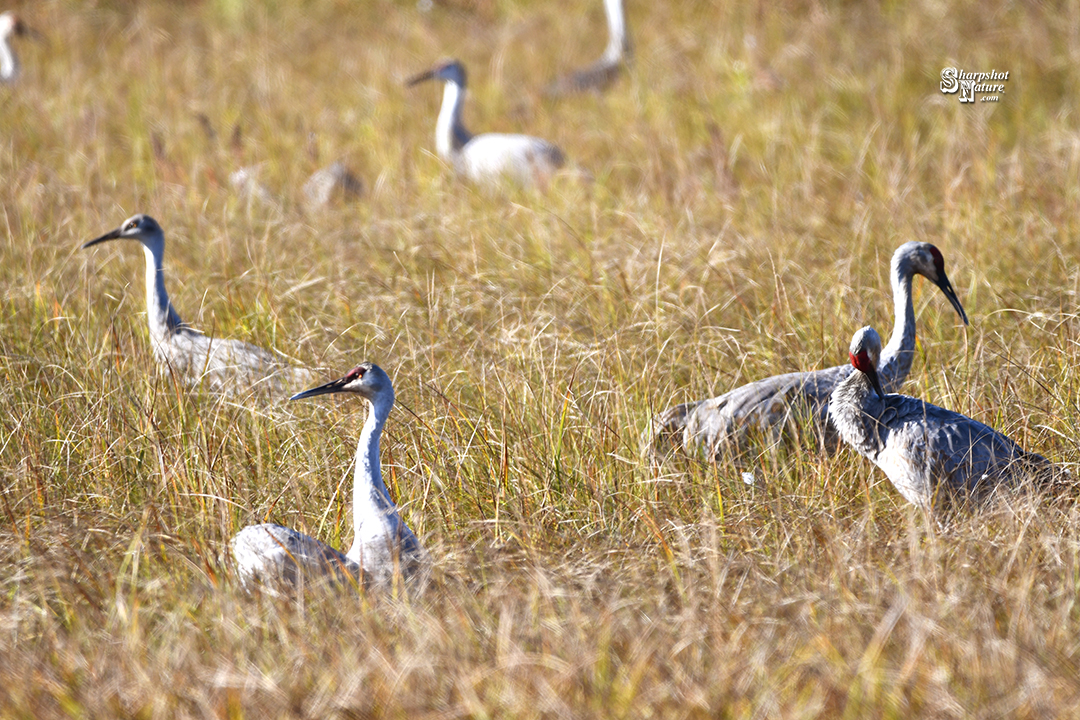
point(939, 261)
point(860, 360)
point(356, 372)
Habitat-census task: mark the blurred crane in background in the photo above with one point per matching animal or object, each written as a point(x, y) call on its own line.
point(489, 157)
point(602, 73)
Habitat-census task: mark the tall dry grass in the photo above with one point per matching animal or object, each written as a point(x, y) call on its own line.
point(714, 227)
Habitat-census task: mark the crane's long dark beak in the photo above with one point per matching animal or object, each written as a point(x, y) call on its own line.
point(331, 387)
point(946, 287)
point(107, 236)
point(417, 79)
point(876, 382)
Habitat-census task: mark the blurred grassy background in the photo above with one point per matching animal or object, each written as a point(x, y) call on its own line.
point(728, 212)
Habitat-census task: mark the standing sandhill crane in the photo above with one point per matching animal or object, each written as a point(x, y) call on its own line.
point(491, 156)
point(930, 454)
point(769, 405)
point(603, 72)
point(383, 545)
point(222, 364)
point(11, 26)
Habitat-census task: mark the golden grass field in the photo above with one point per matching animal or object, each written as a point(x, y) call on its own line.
point(728, 212)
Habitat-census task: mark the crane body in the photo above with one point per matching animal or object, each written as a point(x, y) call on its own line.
point(490, 157)
point(930, 454)
point(220, 364)
point(601, 74)
point(383, 545)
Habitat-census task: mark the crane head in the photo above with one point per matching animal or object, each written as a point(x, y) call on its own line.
point(865, 352)
point(926, 260)
point(366, 379)
point(139, 227)
point(942, 281)
point(450, 71)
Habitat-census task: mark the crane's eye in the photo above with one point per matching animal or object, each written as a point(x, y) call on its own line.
point(356, 373)
point(131, 225)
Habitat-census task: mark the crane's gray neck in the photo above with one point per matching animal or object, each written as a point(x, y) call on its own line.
point(164, 320)
point(854, 409)
point(9, 64)
point(450, 134)
point(618, 40)
point(898, 354)
point(374, 513)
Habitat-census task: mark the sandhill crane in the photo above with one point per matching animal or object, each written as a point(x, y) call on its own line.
point(249, 187)
point(932, 455)
point(178, 348)
point(769, 405)
point(333, 180)
point(11, 26)
point(321, 187)
point(489, 157)
point(604, 71)
point(383, 545)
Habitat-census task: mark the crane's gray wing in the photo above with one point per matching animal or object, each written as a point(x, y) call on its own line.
point(272, 553)
point(224, 364)
point(491, 157)
point(767, 406)
point(948, 447)
point(413, 560)
point(595, 77)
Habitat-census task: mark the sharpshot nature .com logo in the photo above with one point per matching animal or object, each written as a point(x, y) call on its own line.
point(990, 84)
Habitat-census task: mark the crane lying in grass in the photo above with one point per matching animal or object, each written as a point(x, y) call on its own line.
point(186, 352)
point(383, 545)
point(605, 71)
point(931, 455)
point(771, 405)
point(490, 157)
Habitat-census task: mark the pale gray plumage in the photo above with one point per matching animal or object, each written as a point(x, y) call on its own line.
point(178, 348)
point(490, 157)
point(771, 405)
point(324, 184)
point(929, 453)
point(383, 545)
point(249, 187)
point(602, 73)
